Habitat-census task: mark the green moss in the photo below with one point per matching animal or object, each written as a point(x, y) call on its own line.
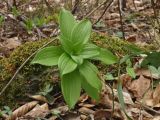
point(33, 77)
point(24, 81)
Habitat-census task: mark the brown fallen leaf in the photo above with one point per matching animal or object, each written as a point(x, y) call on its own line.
point(135, 27)
point(136, 112)
point(85, 110)
point(61, 109)
point(105, 114)
point(126, 80)
point(38, 98)
point(156, 96)
point(148, 98)
point(145, 72)
point(132, 38)
point(53, 118)
point(126, 96)
point(139, 86)
point(12, 43)
point(83, 98)
point(102, 114)
point(86, 105)
point(39, 111)
point(22, 110)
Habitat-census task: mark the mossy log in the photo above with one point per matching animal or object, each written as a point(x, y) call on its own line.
point(32, 77)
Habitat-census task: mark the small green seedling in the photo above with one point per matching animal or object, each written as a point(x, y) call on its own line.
point(15, 11)
point(1, 20)
point(48, 88)
point(155, 71)
point(73, 59)
point(39, 21)
point(6, 110)
point(29, 25)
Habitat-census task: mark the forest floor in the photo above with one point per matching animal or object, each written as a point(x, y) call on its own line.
point(35, 20)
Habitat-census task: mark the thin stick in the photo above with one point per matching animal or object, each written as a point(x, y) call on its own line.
point(148, 108)
point(90, 13)
point(121, 20)
point(77, 2)
point(107, 6)
point(15, 74)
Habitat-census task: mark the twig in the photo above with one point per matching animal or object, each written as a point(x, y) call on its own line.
point(90, 13)
point(121, 20)
point(75, 6)
point(155, 14)
point(107, 6)
point(15, 74)
point(148, 108)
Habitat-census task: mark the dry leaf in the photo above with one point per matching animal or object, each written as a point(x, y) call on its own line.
point(83, 117)
point(148, 98)
point(12, 43)
point(137, 112)
point(39, 111)
point(61, 109)
point(132, 38)
point(102, 114)
point(145, 72)
point(85, 110)
point(135, 27)
point(53, 118)
point(126, 80)
point(39, 98)
point(86, 105)
point(83, 98)
point(156, 118)
point(126, 96)
point(139, 86)
point(156, 96)
point(23, 110)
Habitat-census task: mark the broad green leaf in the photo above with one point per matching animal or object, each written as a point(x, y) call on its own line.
point(106, 57)
point(131, 72)
point(90, 73)
point(153, 70)
point(152, 59)
point(80, 34)
point(159, 69)
point(67, 23)
point(66, 64)
point(89, 51)
point(133, 48)
point(91, 91)
point(71, 87)
point(128, 63)
point(109, 76)
point(77, 59)
point(48, 56)
point(124, 59)
point(66, 44)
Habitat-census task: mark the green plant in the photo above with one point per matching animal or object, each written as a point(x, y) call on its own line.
point(15, 11)
point(1, 20)
point(72, 58)
point(29, 25)
point(6, 110)
point(48, 88)
point(39, 21)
